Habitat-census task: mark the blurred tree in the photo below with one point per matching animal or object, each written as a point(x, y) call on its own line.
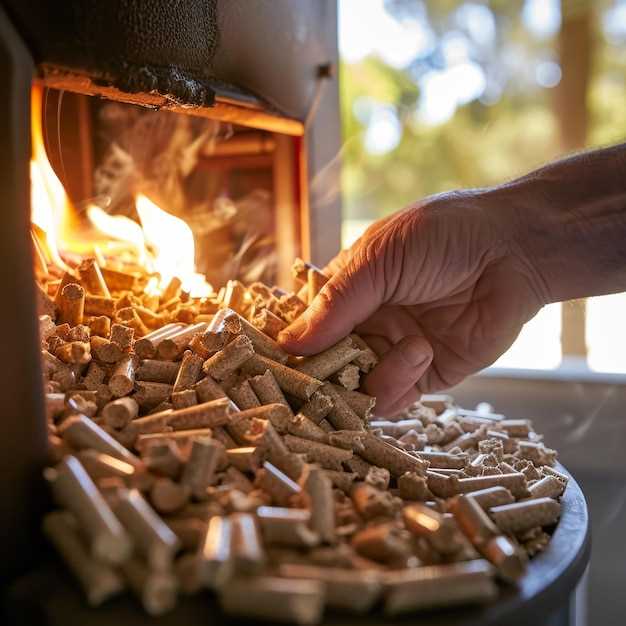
point(509, 129)
point(575, 50)
point(575, 46)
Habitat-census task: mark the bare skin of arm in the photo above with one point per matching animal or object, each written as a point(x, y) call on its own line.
point(442, 288)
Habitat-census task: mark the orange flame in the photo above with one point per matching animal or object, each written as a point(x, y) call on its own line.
point(123, 229)
point(172, 240)
point(163, 243)
point(50, 207)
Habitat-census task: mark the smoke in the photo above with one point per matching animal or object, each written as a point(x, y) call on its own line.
point(169, 158)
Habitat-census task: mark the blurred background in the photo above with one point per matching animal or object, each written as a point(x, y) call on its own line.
point(438, 95)
point(443, 94)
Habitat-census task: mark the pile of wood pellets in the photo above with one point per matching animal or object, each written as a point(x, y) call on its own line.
point(188, 451)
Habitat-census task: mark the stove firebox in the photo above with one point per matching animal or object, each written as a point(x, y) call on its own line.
point(253, 66)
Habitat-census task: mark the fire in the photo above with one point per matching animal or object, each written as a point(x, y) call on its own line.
point(172, 240)
point(121, 228)
point(50, 207)
point(162, 244)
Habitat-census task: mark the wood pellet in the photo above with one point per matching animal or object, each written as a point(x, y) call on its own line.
point(189, 452)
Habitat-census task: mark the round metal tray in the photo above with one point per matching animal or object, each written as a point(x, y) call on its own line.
point(48, 596)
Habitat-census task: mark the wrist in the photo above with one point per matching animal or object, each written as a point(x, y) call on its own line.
point(520, 225)
point(567, 225)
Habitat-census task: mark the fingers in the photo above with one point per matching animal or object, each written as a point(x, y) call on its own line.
point(338, 263)
point(347, 299)
point(409, 398)
point(357, 288)
point(391, 322)
point(380, 345)
point(393, 380)
point(344, 256)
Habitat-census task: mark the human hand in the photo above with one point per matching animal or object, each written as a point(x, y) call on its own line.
point(439, 291)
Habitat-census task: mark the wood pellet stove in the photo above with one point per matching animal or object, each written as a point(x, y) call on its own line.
point(227, 110)
point(261, 69)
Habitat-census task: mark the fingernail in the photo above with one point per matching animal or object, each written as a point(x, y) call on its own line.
point(414, 354)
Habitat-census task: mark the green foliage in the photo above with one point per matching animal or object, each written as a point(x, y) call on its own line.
point(607, 97)
point(481, 144)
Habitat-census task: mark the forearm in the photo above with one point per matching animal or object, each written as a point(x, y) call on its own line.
point(569, 221)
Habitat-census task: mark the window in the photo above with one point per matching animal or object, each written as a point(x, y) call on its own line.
point(437, 96)
point(606, 333)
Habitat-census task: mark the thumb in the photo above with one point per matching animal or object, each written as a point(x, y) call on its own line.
point(345, 301)
point(393, 381)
